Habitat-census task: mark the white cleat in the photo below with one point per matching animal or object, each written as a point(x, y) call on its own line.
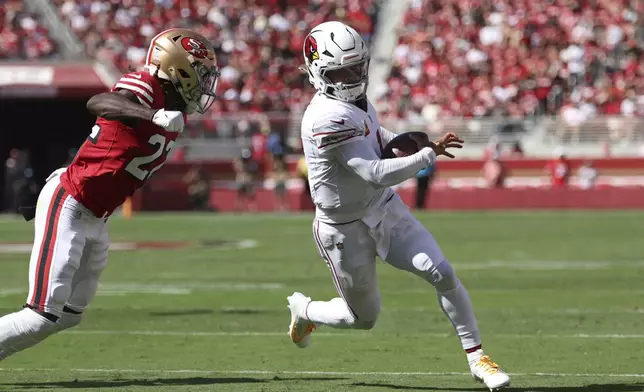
point(489, 373)
point(300, 327)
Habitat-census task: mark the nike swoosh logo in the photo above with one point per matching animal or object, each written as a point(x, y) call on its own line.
point(135, 76)
point(341, 122)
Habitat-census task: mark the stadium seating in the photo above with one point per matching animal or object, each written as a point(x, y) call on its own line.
point(507, 61)
point(22, 37)
point(259, 42)
point(517, 58)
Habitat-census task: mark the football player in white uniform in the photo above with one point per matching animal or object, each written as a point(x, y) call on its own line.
point(358, 215)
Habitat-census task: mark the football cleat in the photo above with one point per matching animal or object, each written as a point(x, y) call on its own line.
point(300, 328)
point(489, 373)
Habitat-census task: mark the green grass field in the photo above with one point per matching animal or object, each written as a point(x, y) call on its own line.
point(559, 297)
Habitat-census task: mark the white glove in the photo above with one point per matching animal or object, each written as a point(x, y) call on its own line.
point(170, 120)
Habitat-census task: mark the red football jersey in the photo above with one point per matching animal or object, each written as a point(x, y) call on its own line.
point(559, 172)
point(116, 159)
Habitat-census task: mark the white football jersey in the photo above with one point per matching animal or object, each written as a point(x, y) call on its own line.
point(340, 195)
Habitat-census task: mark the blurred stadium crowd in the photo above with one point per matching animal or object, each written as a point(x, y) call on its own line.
point(511, 59)
point(22, 36)
point(518, 58)
point(259, 42)
point(454, 57)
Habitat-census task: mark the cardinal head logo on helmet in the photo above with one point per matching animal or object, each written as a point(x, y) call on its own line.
point(311, 48)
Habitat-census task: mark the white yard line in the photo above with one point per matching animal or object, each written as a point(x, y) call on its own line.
point(565, 311)
point(312, 372)
point(199, 334)
point(175, 288)
point(546, 265)
point(215, 334)
point(343, 334)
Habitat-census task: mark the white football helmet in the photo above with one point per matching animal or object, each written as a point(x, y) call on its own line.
point(337, 61)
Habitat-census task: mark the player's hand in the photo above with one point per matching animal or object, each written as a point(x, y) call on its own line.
point(449, 140)
point(170, 120)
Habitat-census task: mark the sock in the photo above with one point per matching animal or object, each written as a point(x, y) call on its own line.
point(474, 354)
point(334, 313)
point(457, 306)
point(21, 330)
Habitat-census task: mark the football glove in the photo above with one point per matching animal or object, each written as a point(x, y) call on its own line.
point(170, 120)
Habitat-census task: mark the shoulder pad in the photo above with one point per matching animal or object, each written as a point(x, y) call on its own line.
point(142, 84)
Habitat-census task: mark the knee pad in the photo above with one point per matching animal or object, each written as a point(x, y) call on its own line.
point(441, 276)
point(68, 320)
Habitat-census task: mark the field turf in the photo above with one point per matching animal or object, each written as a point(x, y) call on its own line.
point(559, 297)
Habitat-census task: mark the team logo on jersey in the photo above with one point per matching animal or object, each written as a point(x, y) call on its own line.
point(196, 48)
point(340, 246)
point(366, 129)
point(311, 48)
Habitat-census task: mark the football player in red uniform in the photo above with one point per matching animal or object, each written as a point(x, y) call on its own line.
point(138, 123)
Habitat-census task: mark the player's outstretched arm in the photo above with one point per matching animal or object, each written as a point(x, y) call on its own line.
point(121, 105)
point(126, 107)
point(363, 161)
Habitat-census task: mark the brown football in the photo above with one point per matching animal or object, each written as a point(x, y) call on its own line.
point(402, 145)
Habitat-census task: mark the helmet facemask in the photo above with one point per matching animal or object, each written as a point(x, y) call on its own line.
point(347, 82)
point(197, 86)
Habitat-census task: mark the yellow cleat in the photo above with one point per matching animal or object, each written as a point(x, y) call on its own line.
point(300, 328)
point(489, 373)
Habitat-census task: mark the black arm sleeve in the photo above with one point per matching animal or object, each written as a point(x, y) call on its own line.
point(120, 106)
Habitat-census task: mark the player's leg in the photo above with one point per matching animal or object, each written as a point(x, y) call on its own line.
point(349, 252)
point(85, 282)
point(414, 249)
point(55, 257)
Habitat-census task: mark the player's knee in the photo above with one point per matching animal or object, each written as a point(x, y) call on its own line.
point(441, 275)
point(446, 278)
point(59, 296)
point(366, 316)
point(68, 320)
point(423, 264)
point(426, 268)
point(365, 325)
point(366, 320)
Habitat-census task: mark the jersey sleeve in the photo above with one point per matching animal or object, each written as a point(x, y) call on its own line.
point(383, 173)
point(386, 135)
point(330, 133)
point(142, 84)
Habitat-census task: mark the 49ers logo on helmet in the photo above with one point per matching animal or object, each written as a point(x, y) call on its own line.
point(311, 48)
point(196, 48)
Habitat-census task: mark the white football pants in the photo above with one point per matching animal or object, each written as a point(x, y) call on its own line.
point(350, 252)
point(69, 252)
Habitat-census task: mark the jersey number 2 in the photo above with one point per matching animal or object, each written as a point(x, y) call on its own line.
point(157, 158)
